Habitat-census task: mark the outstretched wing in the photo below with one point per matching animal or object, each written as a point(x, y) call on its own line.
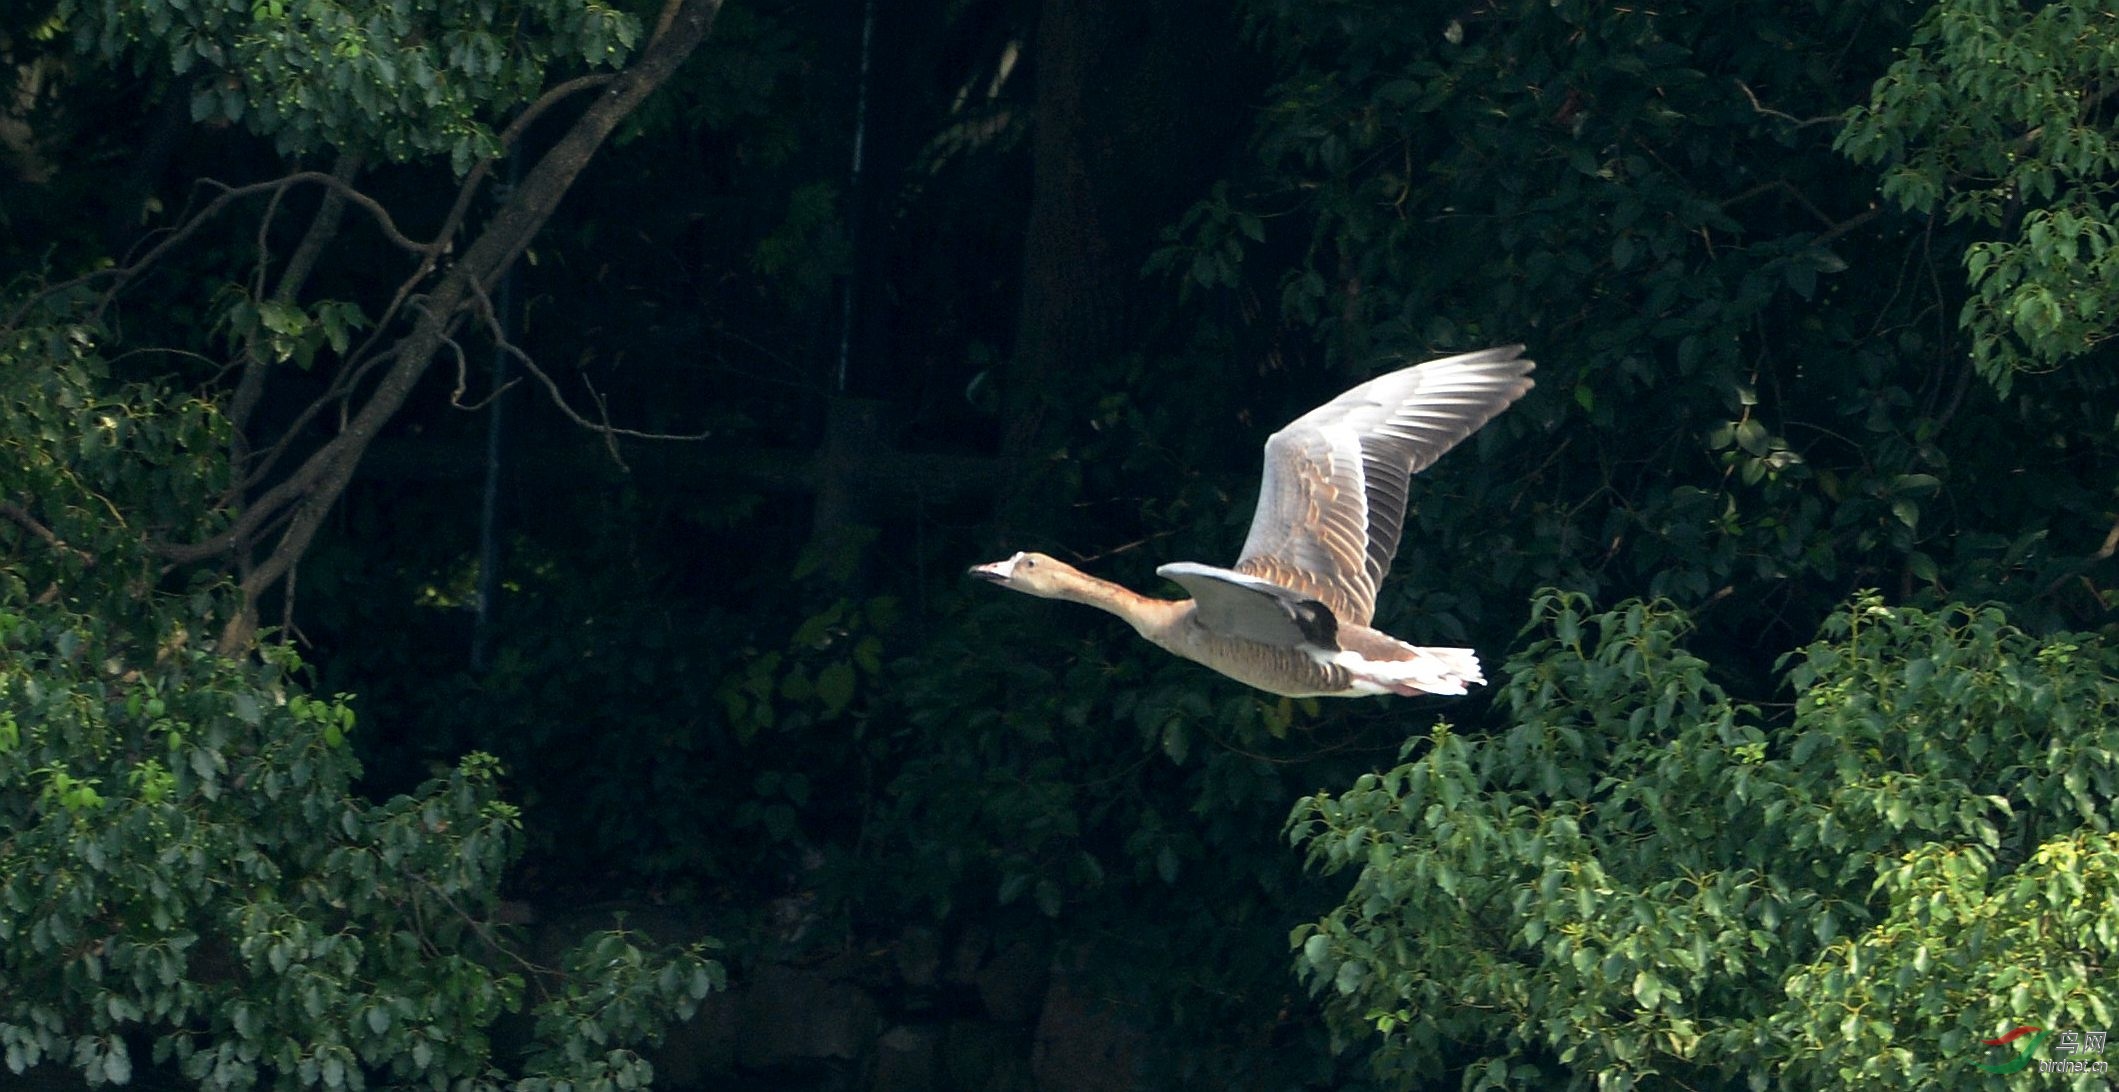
point(1331, 505)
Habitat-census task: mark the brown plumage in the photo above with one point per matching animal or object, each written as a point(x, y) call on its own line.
point(1292, 617)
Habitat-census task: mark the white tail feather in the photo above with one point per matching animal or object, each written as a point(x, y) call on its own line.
point(1429, 671)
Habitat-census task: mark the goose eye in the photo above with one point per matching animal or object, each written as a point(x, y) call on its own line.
point(1030, 563)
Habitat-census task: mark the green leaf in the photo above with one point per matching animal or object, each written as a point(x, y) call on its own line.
point(117, 1062)
point(835, 687)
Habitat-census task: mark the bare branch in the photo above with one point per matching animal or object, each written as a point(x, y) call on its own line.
point(343, 384)
point(1770, 112)
point(475, 179)
point(383, 220)
point(256, 514)
point(121, 275)
point(463, 383)
point(559, 93)
point(263, 242)
point(399, 299)
point(321, 230)
point(608, 430)
point(261, 510)
point(610, 438)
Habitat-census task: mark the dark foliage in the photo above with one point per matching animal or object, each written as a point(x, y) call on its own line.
point(1813, 313)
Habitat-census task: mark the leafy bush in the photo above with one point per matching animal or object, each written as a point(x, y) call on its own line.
point(186, 870)
point(1646, 882)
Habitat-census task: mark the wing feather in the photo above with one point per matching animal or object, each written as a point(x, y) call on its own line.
point(1331, 503)
point(1239, 605)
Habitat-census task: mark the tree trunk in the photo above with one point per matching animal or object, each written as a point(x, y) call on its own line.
point(1073, 302)
point(1137, 108)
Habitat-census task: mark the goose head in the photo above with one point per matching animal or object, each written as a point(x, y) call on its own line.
point(1032, 573)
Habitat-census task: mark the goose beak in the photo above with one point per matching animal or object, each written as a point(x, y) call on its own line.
point(997, 572)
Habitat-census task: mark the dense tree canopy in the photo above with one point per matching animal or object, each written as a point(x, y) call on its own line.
point(486, 487)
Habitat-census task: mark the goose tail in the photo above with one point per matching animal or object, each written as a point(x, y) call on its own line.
point(1426, 671)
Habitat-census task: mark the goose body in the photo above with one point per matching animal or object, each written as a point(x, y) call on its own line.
point(1292, 616)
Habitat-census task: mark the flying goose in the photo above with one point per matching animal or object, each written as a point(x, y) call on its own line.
point(1293, 616)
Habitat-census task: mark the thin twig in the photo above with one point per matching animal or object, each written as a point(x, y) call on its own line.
point(342, 386)
point(603, 410)
point(479, 172)
point(559, 93)
point(383, 220)
point(263, 243)
point(1790, 118)
point(463, 382)
point(121, 275)
point(479, 925)
point(167, 350)
point(608, 430)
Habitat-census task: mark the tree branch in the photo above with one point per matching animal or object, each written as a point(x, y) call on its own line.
point(121, 275)
point(327, 471)
point(1770, 112)
point(500, 340)
point(322, 228)
point(21, 517)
